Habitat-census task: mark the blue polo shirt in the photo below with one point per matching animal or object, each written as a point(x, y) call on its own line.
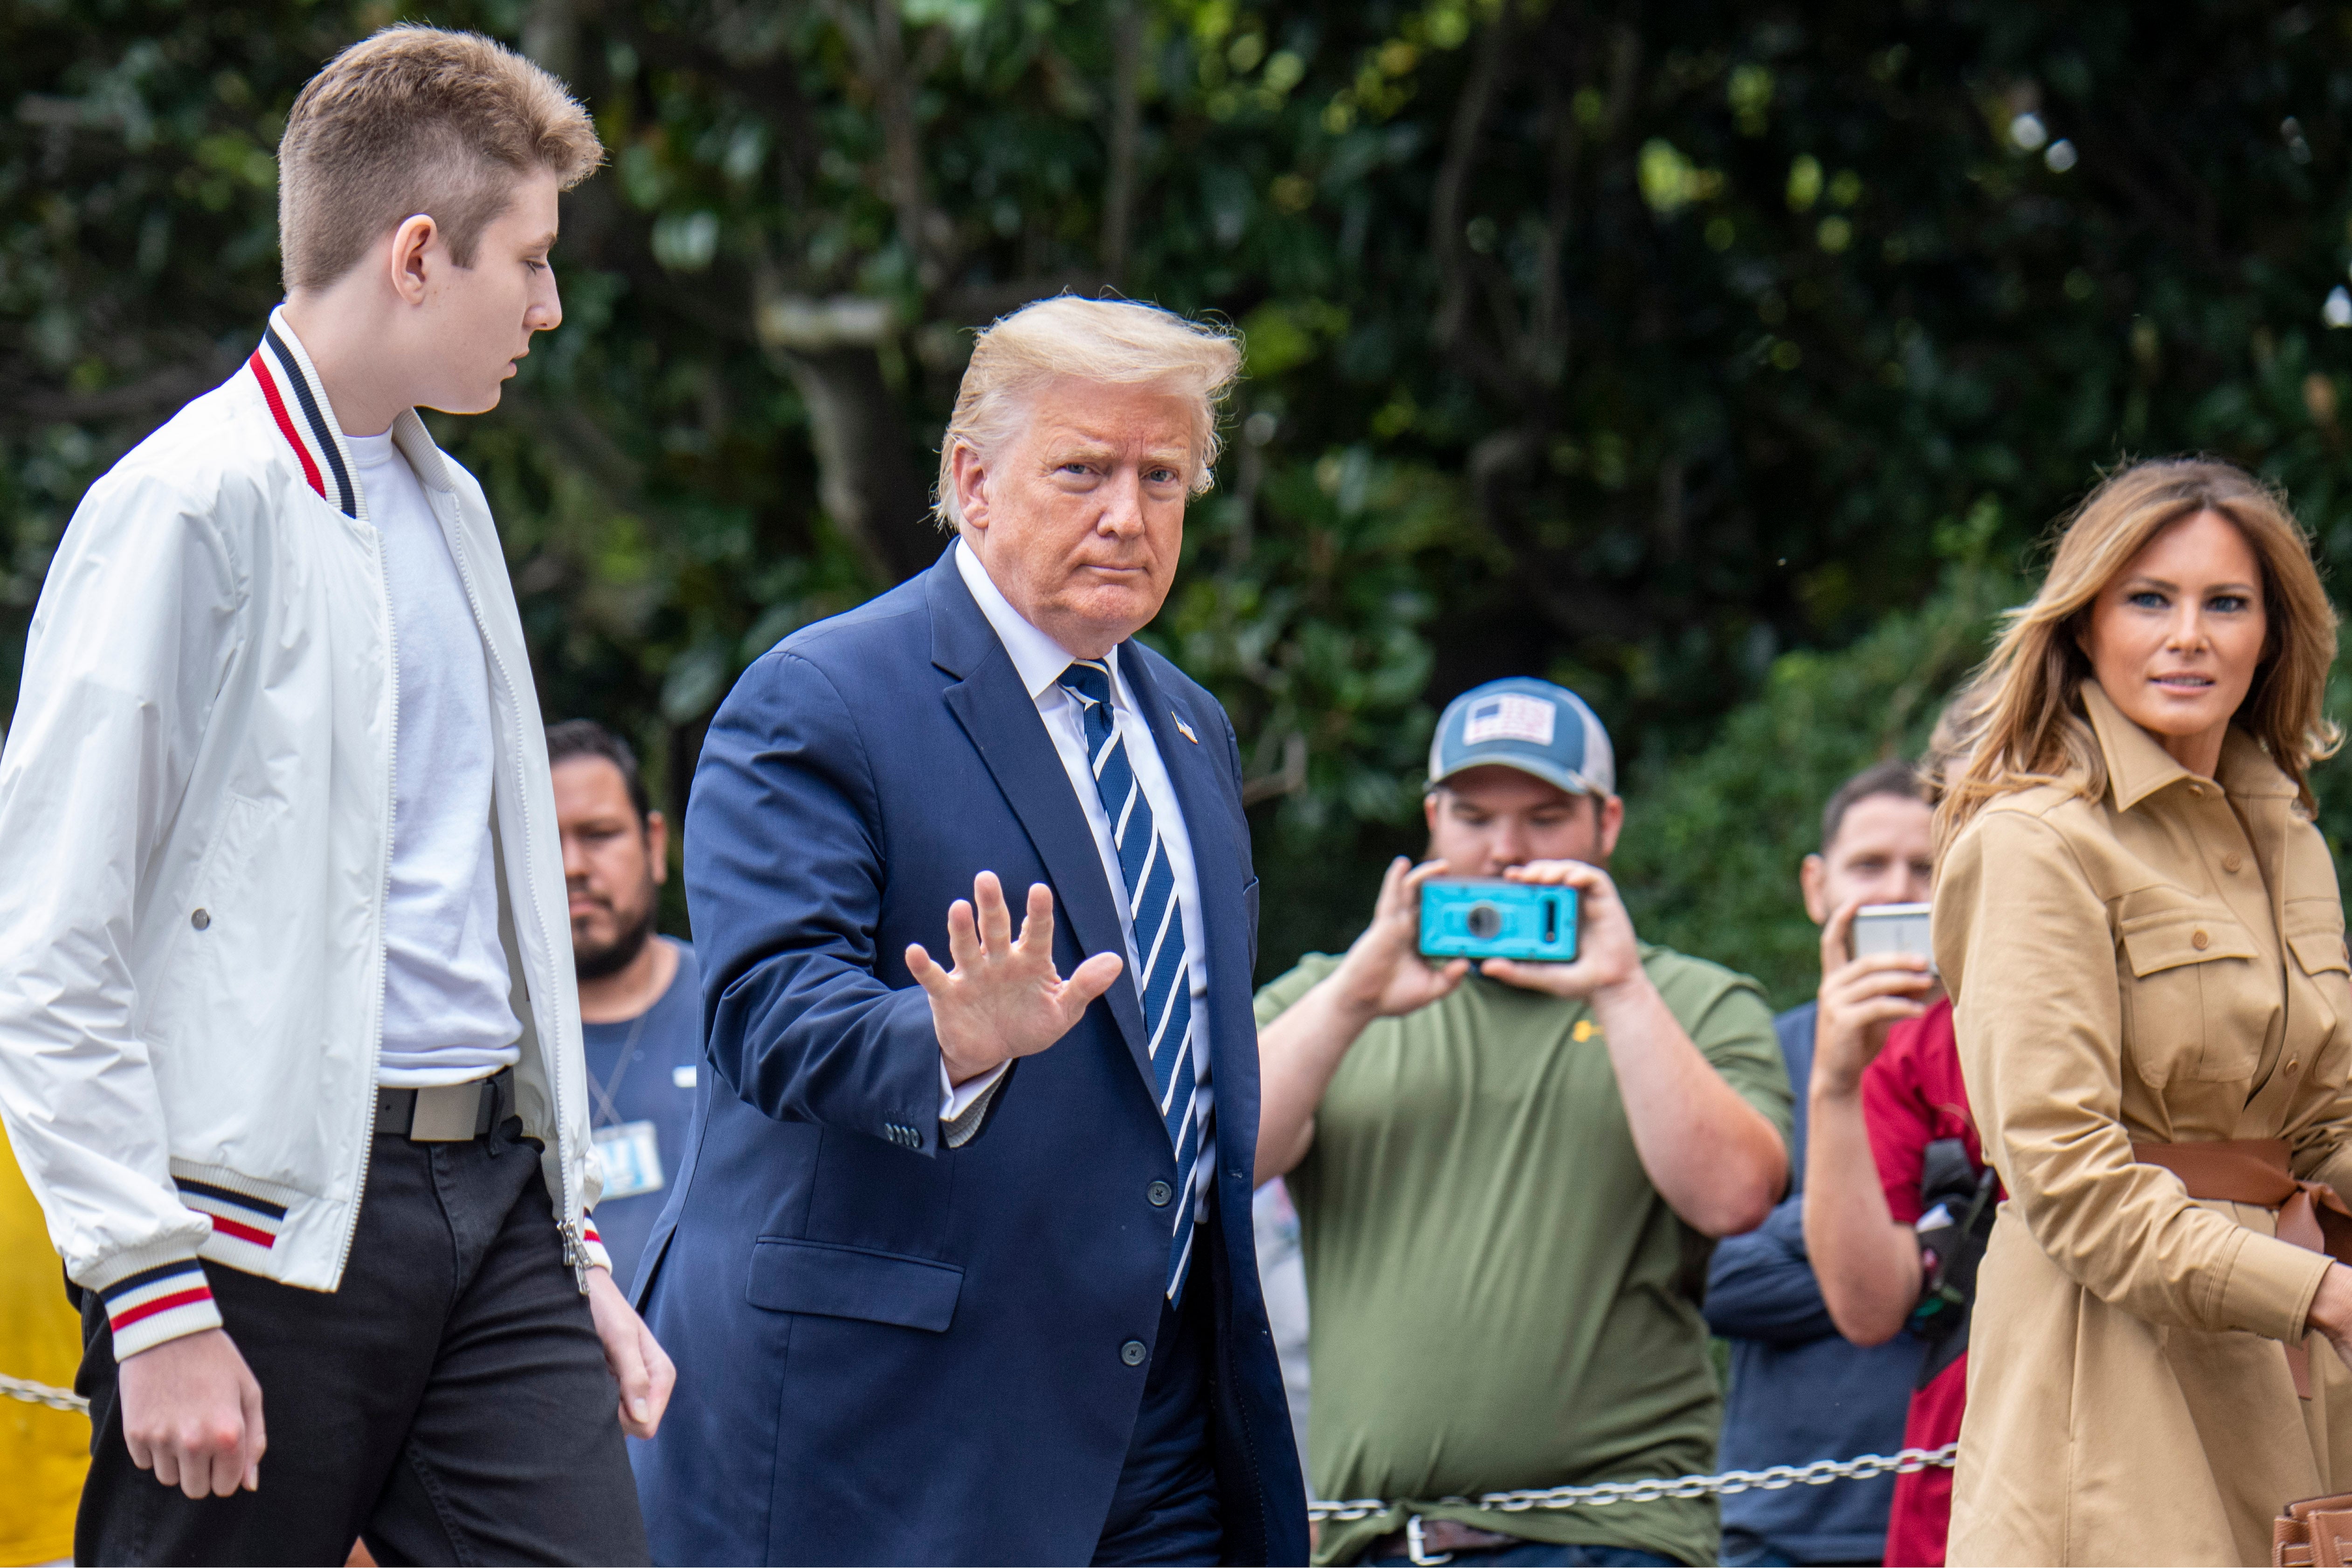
point(654, 1085)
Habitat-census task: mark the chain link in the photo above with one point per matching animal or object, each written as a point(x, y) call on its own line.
point(1603, 1494)
point(42, 1394)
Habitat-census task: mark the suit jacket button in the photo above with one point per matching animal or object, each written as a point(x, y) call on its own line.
point(1159, 1193)
point(1132, 1352)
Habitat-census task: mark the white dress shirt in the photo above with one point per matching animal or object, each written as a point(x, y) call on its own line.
point(1039, 661)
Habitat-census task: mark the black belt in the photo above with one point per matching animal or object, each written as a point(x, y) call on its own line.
point(454, 1113)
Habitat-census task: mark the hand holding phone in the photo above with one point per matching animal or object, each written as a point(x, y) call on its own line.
point(1867, 990)
point(1382, 976)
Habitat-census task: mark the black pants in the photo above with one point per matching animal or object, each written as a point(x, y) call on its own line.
point(1165, 1509)
point(448, 1404)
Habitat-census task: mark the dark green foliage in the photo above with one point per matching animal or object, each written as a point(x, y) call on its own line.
point(1713, 840)
point(1635, 346)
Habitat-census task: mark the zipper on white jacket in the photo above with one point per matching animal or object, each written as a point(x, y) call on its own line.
point(383, 894)
point(575, 1246)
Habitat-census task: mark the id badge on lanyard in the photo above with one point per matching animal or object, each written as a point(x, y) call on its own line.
point(631, 1154)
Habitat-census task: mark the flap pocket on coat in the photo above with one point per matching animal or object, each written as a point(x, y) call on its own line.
point(2320, 951)
point(2195, 1006)
point(2173, 938)
point(850, 1282)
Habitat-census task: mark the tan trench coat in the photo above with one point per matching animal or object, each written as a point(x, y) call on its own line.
point(2164, 964)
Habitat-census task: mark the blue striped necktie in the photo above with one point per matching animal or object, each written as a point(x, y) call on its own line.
point(1166, 979)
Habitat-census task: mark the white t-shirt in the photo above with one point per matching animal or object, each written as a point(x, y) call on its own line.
point(446, 1016)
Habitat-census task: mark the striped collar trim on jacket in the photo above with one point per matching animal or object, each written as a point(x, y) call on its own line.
point(298, 403)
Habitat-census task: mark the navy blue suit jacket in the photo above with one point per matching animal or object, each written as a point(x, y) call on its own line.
point(890, 1351)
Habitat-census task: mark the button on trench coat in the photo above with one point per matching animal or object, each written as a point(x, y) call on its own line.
point(2164, 964)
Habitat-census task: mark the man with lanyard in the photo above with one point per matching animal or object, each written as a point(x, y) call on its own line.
point(1507, 1184)
point(639, 991)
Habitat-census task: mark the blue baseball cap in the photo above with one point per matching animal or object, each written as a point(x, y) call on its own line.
point(1532, 725)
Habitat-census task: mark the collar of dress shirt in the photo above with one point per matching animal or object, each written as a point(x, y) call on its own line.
point(1037, 658)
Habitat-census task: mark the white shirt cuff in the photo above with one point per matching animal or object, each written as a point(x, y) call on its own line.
point(956, 1098)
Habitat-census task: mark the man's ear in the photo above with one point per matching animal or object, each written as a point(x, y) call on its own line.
point(969, 471)
point(410, 241)
point(657, 846)
point(1813, 877)
point(1612, 814)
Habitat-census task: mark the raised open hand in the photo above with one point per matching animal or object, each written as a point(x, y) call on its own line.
point(1002, 999)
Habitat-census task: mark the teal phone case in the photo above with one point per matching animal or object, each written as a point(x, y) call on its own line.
point(1497, 920)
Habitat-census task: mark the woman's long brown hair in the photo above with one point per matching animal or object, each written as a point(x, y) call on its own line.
point(2021, 716)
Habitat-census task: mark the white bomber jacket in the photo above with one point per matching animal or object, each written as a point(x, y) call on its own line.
point(195, 843)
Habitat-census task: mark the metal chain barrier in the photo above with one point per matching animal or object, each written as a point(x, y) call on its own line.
point(42, 1394)
point(1603, 1494)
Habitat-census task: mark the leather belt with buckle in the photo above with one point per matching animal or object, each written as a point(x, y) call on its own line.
point(1433, 1541)
point(452, 1113)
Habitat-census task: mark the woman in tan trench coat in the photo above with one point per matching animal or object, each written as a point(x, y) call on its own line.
point(2142, 933)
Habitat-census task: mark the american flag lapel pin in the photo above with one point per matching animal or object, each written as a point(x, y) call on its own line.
point(1184, 728)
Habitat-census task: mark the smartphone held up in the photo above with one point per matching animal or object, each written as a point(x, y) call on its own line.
point(1483, 920)
point(1893, 928)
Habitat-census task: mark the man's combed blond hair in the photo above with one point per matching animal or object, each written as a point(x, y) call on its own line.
point(418, 119)
point(2020, 722)
point(1115, 342)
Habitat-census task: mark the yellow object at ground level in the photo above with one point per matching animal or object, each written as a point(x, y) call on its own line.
point(43, 1452)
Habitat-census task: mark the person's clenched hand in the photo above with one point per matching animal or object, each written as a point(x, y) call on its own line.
point(192, 1413)
point(638, 1362)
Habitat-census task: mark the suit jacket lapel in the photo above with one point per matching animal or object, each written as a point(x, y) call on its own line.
point(999, 715)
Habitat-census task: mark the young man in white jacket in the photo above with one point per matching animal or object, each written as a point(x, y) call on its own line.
point(288, 1043)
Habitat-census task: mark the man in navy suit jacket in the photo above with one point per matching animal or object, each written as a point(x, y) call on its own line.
point(960, 1268)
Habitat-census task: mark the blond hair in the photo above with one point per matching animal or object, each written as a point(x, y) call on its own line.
point(1116, 341)
point(417, 120)
point(2020, 721)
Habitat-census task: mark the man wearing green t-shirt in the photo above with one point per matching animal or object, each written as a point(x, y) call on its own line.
point(1508, 1181)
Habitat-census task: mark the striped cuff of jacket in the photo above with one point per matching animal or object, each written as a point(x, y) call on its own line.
point(151, 1306)
point(594, 1244)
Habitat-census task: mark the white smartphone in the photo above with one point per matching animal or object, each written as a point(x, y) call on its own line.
point(1893, 928)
